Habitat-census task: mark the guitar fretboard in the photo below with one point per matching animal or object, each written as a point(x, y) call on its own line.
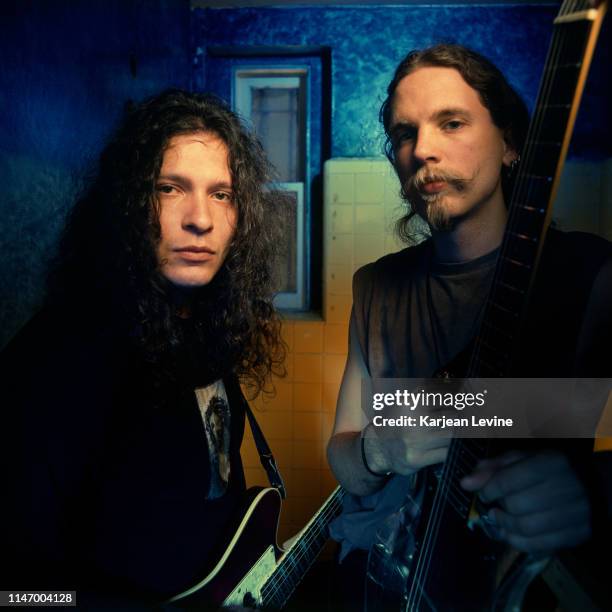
point(575, 33)
point(567, 63)
point(302, 554)
point(539, 171)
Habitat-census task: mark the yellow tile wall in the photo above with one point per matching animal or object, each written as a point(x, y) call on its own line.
point(361, 203)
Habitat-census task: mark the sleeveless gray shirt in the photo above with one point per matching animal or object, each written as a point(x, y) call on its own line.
point(413, 315)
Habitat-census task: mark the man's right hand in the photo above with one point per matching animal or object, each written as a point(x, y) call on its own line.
point(404, 453)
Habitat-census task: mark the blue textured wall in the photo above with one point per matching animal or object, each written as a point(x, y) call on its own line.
point(368, 41)
point(67, 70)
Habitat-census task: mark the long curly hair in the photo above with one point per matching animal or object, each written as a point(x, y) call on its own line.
point(108, 271)
point(508, 111)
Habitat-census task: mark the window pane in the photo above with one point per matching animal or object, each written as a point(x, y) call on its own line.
point(288, 248)
point(274, 102)
point(275, 117)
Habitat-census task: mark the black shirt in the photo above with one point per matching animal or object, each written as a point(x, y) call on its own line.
point(106, 467)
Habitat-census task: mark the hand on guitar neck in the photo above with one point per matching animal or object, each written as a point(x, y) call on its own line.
point(540, 504)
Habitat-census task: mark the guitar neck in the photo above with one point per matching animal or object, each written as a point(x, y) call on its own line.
point(575, 33)
point(302, 554)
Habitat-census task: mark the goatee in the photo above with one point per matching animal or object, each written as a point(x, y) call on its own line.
point(430, 206)
point(433, 210)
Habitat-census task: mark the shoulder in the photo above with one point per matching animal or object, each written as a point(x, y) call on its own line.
point(576, 272)
point(36, 344)
point(582, 245)
point(390, 267)
point(52, 338)
point(575, 256)
point(58, 368)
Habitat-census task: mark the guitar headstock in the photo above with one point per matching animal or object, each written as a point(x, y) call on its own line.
point(581, 8)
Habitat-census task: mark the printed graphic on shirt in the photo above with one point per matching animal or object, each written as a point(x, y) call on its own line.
point(214, 408)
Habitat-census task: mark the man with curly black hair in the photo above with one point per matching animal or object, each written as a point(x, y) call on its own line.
point(118, 481)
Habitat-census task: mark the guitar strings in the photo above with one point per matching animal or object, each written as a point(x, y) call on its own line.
point(280, 574)
point(556, 49)
point(276, 583)
point(525, 187)
point(424, 560)
point(444, 489)
point(321, 518)
point(440, 497)
point(416, 589)
point(432, 529)
point(415, 586)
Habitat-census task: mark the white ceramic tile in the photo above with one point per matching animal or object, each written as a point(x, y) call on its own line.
point(369, 189)
point(342, 219)
point(340, 249)
point(369, 219)
point(339, 280)
point(368, 247)
point(342, 188)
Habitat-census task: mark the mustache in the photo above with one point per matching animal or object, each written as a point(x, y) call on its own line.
point(419, 179)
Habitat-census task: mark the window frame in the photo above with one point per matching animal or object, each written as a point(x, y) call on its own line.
point(294, 300)
point(216, 76)
point(285, 76)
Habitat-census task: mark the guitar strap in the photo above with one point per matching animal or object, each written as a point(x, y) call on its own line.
point(265, 454)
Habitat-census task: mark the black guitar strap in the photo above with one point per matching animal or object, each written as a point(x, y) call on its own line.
point(265, 454)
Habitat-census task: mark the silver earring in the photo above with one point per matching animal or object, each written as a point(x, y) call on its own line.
point(513, 166)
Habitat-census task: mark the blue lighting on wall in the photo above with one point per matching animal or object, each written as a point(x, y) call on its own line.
point(367, 43)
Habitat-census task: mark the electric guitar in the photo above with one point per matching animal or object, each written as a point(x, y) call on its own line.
point(254, 572)
point(430, 556)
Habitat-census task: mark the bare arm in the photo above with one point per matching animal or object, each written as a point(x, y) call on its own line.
point(344, 448)
point(398, 454)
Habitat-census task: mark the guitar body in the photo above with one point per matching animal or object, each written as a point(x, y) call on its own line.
point(467, 569)
point(253, 572)
point(457, 570)
point(251, 554)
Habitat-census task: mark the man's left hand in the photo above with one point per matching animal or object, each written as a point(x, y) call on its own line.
point(540, 503)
